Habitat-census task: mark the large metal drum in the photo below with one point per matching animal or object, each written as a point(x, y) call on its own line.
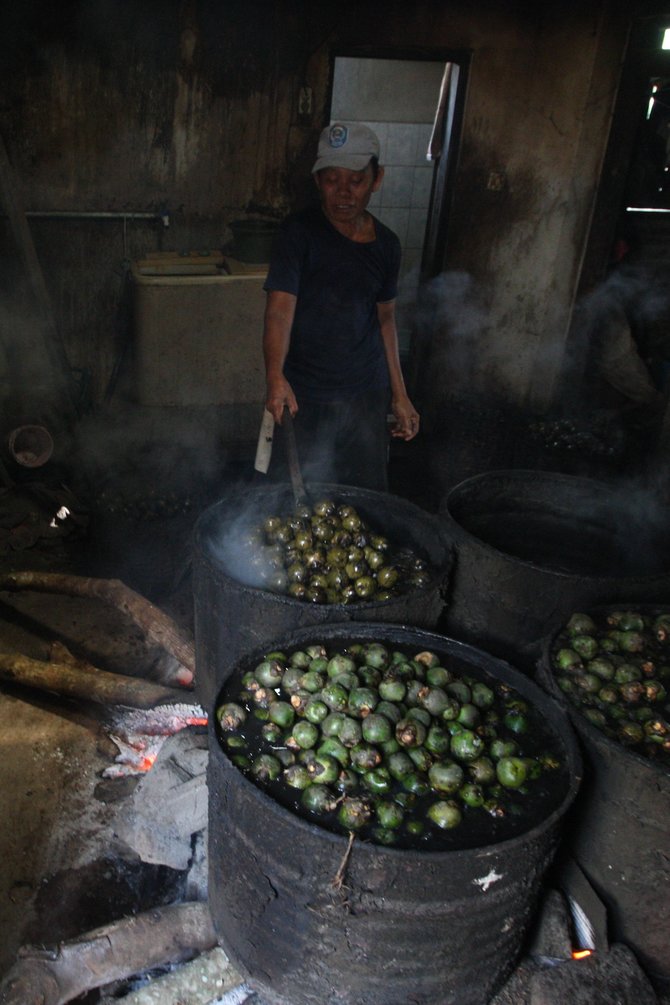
point(532, 546)
point(620, 831)
point(427, 927)
point(233, 616)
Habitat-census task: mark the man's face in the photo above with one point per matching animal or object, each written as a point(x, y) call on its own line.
point(345, 194)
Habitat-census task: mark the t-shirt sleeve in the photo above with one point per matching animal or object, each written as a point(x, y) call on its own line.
point(389, 289)
point(286, 260)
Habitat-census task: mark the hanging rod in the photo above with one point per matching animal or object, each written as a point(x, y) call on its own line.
point(99, 215)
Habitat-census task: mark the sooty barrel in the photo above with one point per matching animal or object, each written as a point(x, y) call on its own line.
point(532, 546)
point(400, 925)
point(620, 826)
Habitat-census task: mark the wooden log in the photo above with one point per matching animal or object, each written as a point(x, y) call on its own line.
point(90, 684)
point(59, 653)
point(157, 626)
point(114, 952)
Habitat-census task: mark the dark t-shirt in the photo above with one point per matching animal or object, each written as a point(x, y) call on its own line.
point(336, 348)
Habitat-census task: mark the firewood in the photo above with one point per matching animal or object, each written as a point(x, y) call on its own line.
point(157, 626)
point(54, 976)
point(90, 684)
point(59, 653)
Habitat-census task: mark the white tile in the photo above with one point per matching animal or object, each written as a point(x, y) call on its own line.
point(398, 186)
point(381, 129)
point(397, 220)
point(416, 228)
point(401, 143)
point(422, 183)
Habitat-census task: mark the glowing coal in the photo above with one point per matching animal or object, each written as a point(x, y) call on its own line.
point(139, 735)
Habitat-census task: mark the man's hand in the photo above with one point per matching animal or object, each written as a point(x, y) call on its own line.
point(280, 394)
point(407, 419)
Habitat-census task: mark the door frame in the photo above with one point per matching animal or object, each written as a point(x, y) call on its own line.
point(643, 59)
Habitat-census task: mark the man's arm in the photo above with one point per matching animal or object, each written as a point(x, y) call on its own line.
point(407, 418)
point(279, 314)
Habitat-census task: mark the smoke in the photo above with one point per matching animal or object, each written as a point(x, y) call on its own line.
point(642, 291)
point(448, 316)
point(634, 517)
point(140, 450)
point(32, 385)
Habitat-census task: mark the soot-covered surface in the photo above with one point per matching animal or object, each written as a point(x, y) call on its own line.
point(566, 524)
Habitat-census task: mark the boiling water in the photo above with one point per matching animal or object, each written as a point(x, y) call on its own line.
point(524, 809)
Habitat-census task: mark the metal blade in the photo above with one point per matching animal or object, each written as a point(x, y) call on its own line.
point(264, 445)
point(299, 493)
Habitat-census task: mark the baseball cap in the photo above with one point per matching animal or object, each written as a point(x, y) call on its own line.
point(345, 145)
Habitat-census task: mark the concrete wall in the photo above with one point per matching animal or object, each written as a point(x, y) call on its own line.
point(192, 110)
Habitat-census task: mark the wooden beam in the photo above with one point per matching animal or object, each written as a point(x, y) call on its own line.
point(50, 343)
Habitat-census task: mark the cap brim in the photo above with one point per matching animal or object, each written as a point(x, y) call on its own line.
point(352, 162)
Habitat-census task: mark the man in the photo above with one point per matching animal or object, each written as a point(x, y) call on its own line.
point(330, 340)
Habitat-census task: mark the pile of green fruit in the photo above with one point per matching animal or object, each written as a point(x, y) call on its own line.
point(396, 747)
point(615, 667)
point(327, 554)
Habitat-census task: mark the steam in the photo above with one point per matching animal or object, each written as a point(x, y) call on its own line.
point(133, 448)
point(237, 543)
point(637, 291)
point(643, 292)
point(449, 315)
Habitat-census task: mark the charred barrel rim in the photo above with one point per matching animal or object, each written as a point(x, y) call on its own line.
point(497, 482)
point(547, 678)
point(394, 634)
point(253, 504)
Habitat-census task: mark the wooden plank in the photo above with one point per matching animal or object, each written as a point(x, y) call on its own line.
point(11, 201)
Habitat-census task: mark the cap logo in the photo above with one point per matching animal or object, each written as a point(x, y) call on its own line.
point(338, 136)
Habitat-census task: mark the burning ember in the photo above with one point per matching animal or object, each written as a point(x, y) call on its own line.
point(139, 735)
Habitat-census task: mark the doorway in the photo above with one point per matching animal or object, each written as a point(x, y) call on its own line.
point(633, 200)
point(413, 105)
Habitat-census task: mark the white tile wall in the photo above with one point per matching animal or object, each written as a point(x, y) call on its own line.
point(422, 180)
point(398, 186)
point(396, 99)
point(416, 228)
point(404, 195)
point(401, 143)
